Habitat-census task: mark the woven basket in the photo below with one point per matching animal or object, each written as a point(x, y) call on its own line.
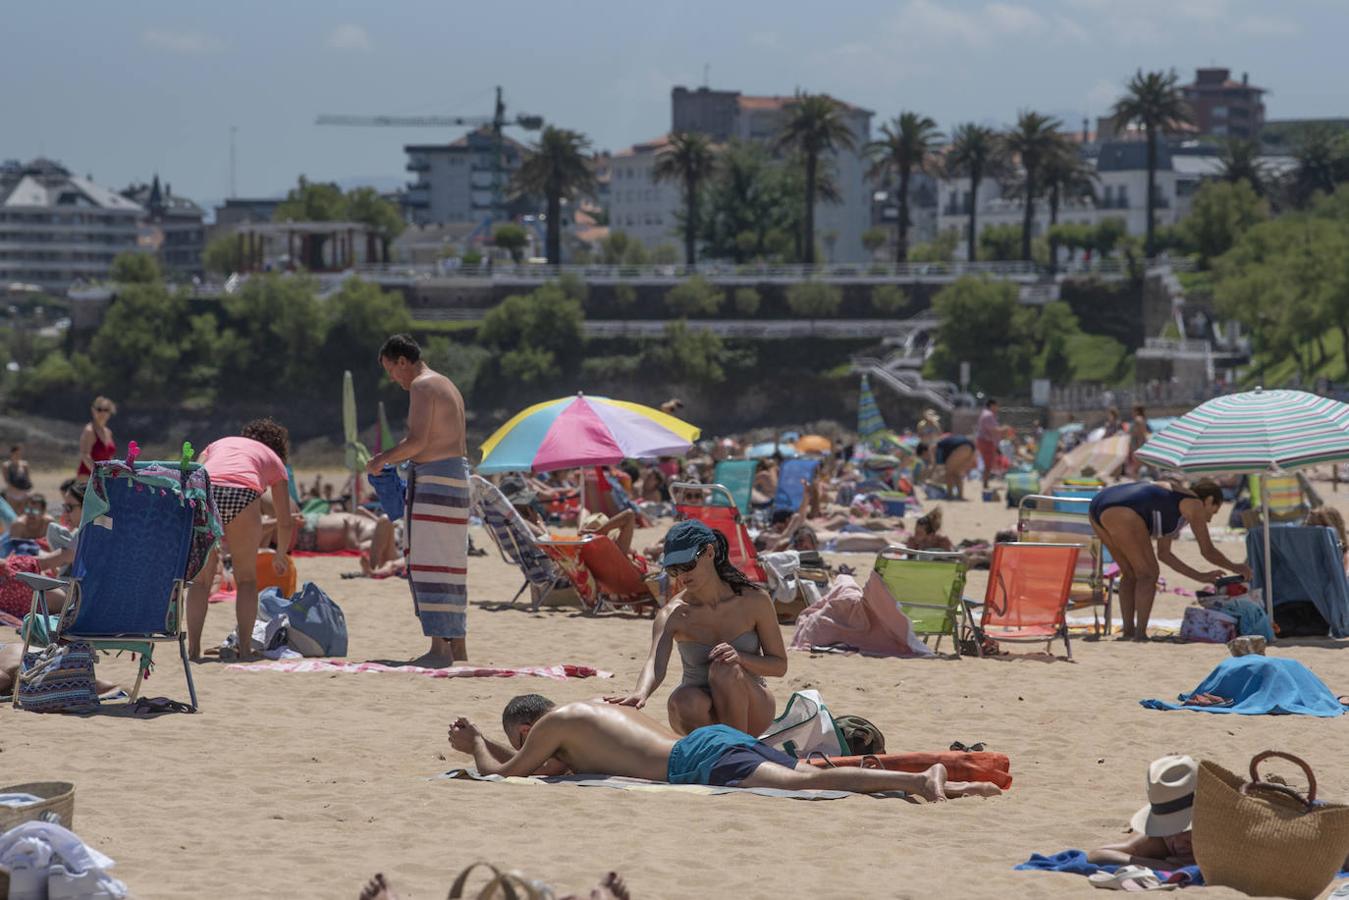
point(58, 804)
point(1266, 839)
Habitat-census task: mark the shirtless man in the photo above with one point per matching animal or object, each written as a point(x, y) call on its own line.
point(437, 498)
point(599, 738)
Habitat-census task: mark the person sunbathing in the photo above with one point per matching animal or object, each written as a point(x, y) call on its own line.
point(620, 527)
point(1159, 832)
point(31, 526)
point(727, 631)
point(598, 738)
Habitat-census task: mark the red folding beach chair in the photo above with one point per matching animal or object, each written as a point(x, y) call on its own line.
point(1027, 596)
point(695, 501)
point(600, 571)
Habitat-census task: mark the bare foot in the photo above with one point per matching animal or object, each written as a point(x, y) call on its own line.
point(1141, 638)
point(611, 887)
point(366, 569)
point(1124, 635)
point(972, 789)
point(433, 660)
point(934, 787)
point(378, 889)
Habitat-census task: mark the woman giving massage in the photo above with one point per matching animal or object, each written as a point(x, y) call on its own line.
point(728, 637)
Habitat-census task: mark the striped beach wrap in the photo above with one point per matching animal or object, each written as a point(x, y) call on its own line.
point(437, 544)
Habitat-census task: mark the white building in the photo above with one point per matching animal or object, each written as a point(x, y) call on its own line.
point(730, 115)
point(639, 205)
point(56, 228)
point(1121, 192)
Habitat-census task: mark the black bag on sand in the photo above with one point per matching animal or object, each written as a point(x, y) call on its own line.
point(861, 736)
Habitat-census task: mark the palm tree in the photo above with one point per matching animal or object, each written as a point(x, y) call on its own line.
point(1034, 141)
point(1239, 160)
point(1154, 101)
point(1322, 163)
point(815, 125)
point(689, 160)
point(975, 152)
point(1065, 176)
point(556, 168)
point(907, 143)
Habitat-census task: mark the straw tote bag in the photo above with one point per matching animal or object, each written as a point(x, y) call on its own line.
point(1266, 839)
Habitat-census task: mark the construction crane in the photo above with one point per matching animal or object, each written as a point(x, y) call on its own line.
point(497, 121)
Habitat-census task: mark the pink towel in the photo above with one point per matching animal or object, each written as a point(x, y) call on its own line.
point(867, 619)
point(558, 673)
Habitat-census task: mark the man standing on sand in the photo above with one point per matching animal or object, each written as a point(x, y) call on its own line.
point(437, 498)
point(986, 435)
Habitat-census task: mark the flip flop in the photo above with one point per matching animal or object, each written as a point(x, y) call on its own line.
point(1130, 878)
point(972, 748)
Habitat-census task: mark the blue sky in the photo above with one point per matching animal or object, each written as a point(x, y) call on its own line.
point(123, 90)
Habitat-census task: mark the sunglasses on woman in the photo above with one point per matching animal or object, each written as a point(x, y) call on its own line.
point(683, 568)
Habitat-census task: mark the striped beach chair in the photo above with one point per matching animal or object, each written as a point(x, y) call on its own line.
point(1043, 519)
point(515, 542)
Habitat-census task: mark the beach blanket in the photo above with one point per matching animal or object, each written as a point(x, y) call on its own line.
point(1074, 862)
point(306, 554)
point(1261, 685)
point(557, 673)
point(641, 784)
point(437, 539)
point(865, 618)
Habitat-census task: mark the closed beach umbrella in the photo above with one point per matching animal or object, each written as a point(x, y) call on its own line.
point(584, 431)
point(356, 455)
point(384, 439)
point(1254, 433)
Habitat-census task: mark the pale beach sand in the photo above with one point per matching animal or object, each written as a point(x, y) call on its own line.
point(303, 785)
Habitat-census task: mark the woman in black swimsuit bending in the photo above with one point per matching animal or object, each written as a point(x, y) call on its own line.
point(1128, 517)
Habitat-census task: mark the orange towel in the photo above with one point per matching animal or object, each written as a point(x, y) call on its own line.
point(960, 766)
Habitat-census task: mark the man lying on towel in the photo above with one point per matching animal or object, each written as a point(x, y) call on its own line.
point(600, 738)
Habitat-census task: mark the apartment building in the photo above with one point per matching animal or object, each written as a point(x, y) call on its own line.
point(639, 205)
point(1225, 107)
point(458, 181)
point(57, 228)
point(171, 228)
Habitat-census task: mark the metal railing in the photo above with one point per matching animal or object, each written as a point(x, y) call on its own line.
point(731, 273)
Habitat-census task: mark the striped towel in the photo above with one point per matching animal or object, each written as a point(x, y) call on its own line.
point(437, 541)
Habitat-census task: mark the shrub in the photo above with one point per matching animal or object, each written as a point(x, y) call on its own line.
point(747, 301)
point(694, 297)
point(814, 299)
point(888, 299)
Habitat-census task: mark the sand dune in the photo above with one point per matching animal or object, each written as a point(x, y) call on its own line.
point(303, 785)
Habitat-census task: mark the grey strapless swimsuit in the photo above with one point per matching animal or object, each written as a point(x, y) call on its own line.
point(694, 655)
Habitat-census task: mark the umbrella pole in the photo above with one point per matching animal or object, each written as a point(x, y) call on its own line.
point(1269, 571)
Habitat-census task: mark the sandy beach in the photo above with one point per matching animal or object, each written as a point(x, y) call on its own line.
point(304, 785)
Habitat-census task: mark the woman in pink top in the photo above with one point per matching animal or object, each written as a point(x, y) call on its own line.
point(242, 468)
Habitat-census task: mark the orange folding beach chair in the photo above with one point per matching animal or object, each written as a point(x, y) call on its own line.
point(1027, 596)
point(702, 502)
point(601, 572)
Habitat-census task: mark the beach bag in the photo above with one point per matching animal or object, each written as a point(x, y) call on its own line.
point(1207, 626)
point(1265, 838)
point(860, 737)
point(805, 727)
point(58, 678)
point(315, 625)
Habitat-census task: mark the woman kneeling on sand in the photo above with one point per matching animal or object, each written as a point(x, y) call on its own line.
point(1127, 517)
point(728, 637)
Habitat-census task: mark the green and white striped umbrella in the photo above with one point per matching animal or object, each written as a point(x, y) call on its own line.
point(1253, 432)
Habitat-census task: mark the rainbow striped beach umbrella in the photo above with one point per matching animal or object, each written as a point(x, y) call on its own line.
point(1252, 433)
point(572, 432)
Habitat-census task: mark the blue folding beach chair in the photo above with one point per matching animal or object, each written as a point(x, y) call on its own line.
point(144, 535)
point(792, 481)
point(737, 476)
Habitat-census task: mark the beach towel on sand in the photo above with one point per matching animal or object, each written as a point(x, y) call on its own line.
point(437, 536)
point(641, 784)
point(557, 673)
point(982, 765)
point(1261, 685)
point(1074, 862)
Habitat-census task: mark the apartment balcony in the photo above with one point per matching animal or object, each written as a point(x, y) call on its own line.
point(417, 195)
point(419, 165)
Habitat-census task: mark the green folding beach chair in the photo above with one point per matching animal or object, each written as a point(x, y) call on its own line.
point(1049, 448)
point(928, 586)
point(737, 476)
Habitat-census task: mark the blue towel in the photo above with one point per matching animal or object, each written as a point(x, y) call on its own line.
point(1251, 617)
point(1307, 566)
point(1262, 685)
point(1074, 862)
point(390, 489)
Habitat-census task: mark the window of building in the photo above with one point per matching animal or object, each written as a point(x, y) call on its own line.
point(1123, 196)
point(1219, 112)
